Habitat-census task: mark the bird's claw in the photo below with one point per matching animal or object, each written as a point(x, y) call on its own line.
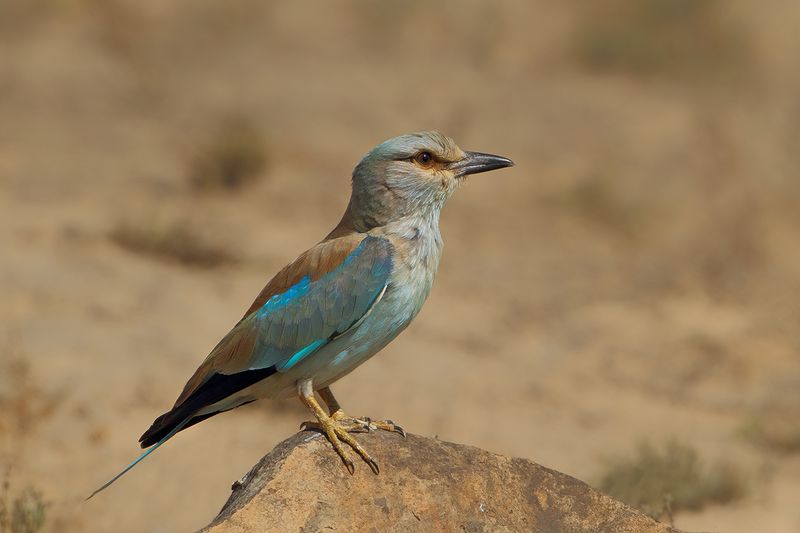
point(363, 424)
point(385, 425)
point(308, 425)
point(349, 465)
point(374, 466)
point(338, 429)
point(391, 426)
point(338, 426)
point(351, 425)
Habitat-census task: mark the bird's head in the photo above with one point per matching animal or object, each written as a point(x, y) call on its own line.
point(412, 174)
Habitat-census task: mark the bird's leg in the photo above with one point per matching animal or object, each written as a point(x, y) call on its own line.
point(352, 425)
point(332, 428)
point(355, 424)
point(334, 408)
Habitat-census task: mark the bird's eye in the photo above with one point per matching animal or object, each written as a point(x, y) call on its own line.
point(424, 159)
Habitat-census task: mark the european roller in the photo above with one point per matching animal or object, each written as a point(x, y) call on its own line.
point(340, 302)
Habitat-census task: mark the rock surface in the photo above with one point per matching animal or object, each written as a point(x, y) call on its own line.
point(424, 485)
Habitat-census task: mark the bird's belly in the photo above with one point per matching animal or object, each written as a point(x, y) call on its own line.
point(390, 316)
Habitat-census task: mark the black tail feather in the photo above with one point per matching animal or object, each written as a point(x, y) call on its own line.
point(218, 387)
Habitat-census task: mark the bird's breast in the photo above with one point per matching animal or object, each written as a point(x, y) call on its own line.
point(417, 248)
point(415, 264)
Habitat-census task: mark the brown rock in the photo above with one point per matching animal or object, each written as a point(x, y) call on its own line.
point(424, 485)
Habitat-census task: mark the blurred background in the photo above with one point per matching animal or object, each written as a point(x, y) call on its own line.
point(621, 306)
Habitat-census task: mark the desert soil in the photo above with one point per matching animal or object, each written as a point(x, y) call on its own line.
point(635, 276)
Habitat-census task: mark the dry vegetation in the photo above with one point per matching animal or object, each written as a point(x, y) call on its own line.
point(23, 513)
point(673, 39)
point(24, 405)
point(174, 241)
point(665, 480)
point(234, 157)
point(775, 430)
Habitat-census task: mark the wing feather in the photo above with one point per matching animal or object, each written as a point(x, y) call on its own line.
point(320, 295)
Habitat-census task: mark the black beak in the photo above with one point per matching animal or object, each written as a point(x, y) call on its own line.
point(477, 162)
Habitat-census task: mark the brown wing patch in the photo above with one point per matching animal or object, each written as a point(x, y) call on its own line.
point(315, 263)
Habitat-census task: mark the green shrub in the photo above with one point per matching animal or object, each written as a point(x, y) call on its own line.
point(24, 514)
point(659, 481)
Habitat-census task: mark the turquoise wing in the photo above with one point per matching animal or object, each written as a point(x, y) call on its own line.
point(294, 324)
point(327, 291)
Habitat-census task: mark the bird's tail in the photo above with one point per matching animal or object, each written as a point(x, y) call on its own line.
point(147, 452)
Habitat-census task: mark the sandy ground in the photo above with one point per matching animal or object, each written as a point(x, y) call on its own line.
point(635, 276)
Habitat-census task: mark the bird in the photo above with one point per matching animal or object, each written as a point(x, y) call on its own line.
point(338, 303)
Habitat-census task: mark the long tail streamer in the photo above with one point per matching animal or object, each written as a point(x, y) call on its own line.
point(147, 452)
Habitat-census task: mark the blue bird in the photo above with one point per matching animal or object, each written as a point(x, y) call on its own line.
point(340, 302)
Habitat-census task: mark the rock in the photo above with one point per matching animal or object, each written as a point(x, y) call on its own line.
point(424, 485)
